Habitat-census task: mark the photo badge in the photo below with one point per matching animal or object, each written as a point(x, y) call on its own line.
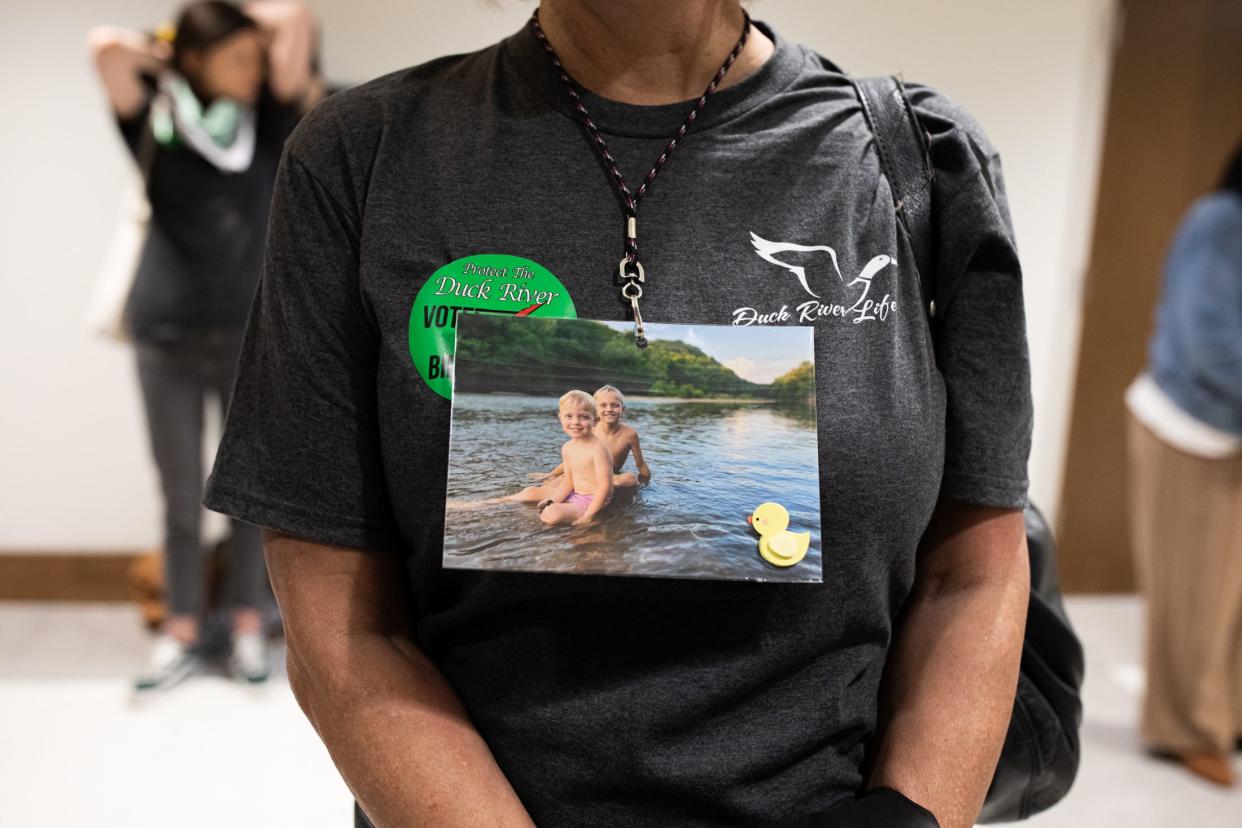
point(572, 451)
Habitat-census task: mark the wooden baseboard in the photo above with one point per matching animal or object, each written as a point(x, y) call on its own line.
point(66, 576)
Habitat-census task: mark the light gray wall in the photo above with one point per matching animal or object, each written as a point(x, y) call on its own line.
point(74, 467)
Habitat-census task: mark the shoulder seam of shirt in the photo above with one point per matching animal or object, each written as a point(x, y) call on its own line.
point(293, 156)
point(970, 179)
point(945, 302)
point(353, 230)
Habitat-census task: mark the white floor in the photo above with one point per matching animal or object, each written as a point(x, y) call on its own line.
point(76, 750)
point(1117, 784)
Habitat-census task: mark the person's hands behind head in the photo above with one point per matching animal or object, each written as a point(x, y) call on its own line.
point(159, 49)
point(271, 13)
point(122, 57)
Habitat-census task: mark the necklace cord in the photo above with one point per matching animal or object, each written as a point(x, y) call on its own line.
point(630, 268)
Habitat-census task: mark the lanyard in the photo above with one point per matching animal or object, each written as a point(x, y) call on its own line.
point(630, 268)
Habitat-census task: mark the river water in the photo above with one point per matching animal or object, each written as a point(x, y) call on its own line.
point(711, 465)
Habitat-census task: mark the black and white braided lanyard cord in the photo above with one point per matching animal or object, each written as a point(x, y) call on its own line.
point(630, 268)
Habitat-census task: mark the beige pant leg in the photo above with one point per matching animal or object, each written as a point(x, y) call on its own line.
point(1186, 533)
point(1235, 689)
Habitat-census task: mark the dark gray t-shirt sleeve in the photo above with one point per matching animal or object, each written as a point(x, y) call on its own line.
point(301, 449)
point(980, 324)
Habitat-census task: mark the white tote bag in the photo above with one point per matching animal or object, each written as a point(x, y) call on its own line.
point(114, 281)
point(105, 309)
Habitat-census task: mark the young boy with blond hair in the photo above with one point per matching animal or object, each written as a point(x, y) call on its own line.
point(586, 486)
point(621, 439)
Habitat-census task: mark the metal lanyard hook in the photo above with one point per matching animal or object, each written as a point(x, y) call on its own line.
point(632, 289)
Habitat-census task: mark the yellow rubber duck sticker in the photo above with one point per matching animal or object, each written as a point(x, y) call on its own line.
point(777, 545)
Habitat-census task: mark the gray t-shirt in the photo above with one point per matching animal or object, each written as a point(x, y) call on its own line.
point(637, 701)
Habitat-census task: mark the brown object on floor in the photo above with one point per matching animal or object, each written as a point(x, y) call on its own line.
point(146, 578)
point(1186, 532)
point(1210, 765)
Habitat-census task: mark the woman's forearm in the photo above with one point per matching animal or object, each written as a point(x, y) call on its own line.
point(292, 28)
point(121, 57)
point(953, 670)
point(393, 725)
point(401, 740)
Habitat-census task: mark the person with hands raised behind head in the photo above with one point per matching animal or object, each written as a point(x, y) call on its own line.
point(280, 48)
point(205, 108)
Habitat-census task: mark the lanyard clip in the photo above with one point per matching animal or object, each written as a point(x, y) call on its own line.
point(640, 333)
point(632, 289)
point(636, 275)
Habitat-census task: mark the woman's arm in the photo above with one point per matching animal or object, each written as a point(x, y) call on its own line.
point(644, 473)
point(121, 58)
point(293, 31)
point(391, 722)
point(953, 670)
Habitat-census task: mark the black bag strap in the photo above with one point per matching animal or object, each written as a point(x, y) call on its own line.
point(146, 152)
point(1039, 759)
point(904, 148)
point(147, 145)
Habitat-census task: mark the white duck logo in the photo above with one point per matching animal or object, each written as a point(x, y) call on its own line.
point(862, 309)
point(767, 251)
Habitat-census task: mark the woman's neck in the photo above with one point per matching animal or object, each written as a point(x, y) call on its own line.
point(650, 52)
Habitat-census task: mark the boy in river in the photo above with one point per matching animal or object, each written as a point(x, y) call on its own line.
point(586, 486)
point(621, 440)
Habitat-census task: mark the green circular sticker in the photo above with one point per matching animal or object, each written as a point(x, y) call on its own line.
point(491, 282)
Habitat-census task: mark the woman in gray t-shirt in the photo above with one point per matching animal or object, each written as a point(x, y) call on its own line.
point(472, 697)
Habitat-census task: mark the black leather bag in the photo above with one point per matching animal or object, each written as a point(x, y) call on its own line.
point(1040, 757)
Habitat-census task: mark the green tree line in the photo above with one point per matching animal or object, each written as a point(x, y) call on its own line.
point(549, 355)
point(795, 385)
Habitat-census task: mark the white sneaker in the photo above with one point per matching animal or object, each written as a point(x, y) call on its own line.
point(249, 660)
point(169, 663)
